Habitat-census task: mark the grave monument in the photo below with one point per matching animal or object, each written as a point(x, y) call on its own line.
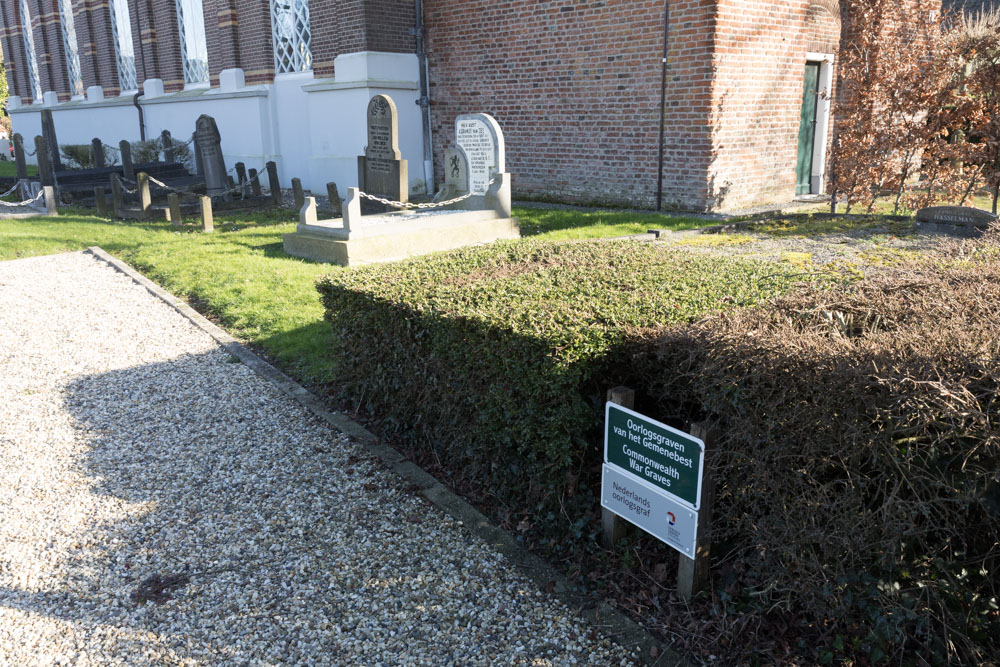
point(209, 144)
point(482, 217)
point(381, 172)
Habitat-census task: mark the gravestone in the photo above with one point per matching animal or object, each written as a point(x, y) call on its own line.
point(117, 196)
point(479, 136)
point(45, 176)
point(101, 201)
point(97, 153)
point(174, 208)
point(168, 146)
point(49, 132)
point(199, 163)
point(456, 173)
point(334, 196)
point(380, 170)
point(22, 166)
point(255, 183)
point(272, 182)
point(128, 169)
point(207, 139)
point(241, 177)
point(959, 216)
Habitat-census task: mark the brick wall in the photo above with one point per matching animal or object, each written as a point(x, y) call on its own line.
point(13, 50)
point(759, 61)
point(576, 88)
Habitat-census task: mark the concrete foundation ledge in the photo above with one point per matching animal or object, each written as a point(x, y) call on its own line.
point(430, 235)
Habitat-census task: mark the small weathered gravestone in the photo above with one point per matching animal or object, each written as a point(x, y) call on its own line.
point(207, 138)
point(97, 153)
point(22, 166)
point(45, 176)
point(174, 209)
point(168, 146)
point(255, 182)
point(380, 170)
point(49, 194)
point(334, 197)
point(272, 182)
point(101, 201)
point(479, 136)
point(49, 132)
point(117, 196)
point(128, 168)
point(241, 177)
point(298, 195)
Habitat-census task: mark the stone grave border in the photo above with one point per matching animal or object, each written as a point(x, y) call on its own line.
point(604, 617)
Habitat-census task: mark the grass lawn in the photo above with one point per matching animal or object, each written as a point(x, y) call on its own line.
point(8, 169)
point(241, 277)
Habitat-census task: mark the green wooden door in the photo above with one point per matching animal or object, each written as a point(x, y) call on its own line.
point(807, 130)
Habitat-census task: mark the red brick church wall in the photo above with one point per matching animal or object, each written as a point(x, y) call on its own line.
point(576, 89)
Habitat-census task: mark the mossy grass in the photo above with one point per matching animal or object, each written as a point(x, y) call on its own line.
point(555, 224)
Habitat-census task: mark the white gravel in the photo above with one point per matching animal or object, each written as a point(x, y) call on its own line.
point(131, 447)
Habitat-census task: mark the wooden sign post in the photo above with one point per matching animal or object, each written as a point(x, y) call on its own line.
point(693, 573)
point(614, 526)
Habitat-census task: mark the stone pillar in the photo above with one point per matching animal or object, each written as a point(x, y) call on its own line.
point(272, 180)
point(207, 223)
point(50, 200)
point(174, 207)
point(49, 132)
point(145, 200)
point(300, 196)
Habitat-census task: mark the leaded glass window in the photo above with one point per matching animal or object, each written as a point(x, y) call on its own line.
point(69, 45)
point(121, 31)
point(29, 48)
point(290, 33)
point(194, 49)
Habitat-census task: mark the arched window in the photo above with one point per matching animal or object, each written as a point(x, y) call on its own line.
point(290, 34)
point(69, 46)
point(29, 48)
point(194, 49)
point(121, 30)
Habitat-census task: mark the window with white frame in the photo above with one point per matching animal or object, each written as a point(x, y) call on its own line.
point(290, 34)
point(29, 48)
point(194, 49)
point(69, 46)
point(121, 31)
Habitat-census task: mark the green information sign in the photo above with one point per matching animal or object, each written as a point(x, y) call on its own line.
point(654, 453)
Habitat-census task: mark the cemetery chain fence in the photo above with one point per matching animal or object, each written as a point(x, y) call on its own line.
point(433, 204)
point(26, 202)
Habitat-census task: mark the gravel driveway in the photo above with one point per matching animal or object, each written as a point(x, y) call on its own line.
point(161, 504)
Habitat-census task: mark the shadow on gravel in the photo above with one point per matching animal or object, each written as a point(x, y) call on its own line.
point(209, 517)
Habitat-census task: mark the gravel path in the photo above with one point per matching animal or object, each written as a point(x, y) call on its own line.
point(160, 504)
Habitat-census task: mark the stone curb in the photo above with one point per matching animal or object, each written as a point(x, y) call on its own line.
point(603, 616)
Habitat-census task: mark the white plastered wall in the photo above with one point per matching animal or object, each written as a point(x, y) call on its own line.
point(314, 129)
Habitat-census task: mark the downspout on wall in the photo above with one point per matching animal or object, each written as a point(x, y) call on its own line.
point(425, 97)
point(663, 104)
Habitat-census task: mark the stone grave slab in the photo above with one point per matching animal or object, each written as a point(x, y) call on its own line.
point(381, 171)
point(960, 220)
point(209, 143)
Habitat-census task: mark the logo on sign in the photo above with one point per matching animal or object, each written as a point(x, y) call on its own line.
point(671, 519)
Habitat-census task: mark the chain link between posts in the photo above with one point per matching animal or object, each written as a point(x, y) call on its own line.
point(409, 205)
point(41, 193)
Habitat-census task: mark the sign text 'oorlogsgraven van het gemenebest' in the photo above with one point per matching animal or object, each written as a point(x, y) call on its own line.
point(655, 453)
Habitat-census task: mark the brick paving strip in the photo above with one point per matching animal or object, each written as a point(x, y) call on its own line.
point(163, 503)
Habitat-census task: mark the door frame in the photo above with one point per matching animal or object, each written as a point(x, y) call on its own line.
point(817, 179)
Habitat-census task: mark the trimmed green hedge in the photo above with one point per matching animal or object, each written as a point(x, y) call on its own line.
point(497, 357)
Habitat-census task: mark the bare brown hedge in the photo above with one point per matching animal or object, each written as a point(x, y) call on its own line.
point(860, 459)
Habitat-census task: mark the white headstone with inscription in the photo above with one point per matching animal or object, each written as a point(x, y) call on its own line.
point(479, 136)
